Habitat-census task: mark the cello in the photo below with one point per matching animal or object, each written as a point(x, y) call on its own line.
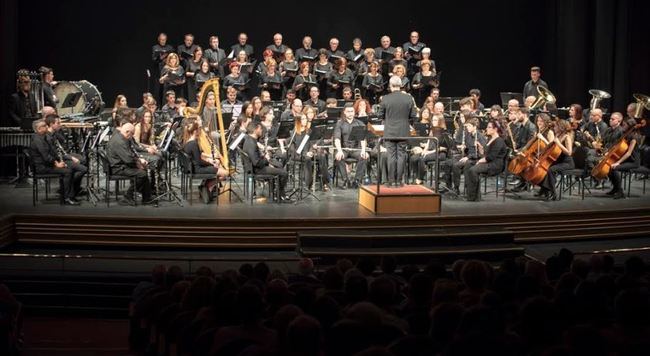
point(527, 156)
point(614, 153)
point(537, 172)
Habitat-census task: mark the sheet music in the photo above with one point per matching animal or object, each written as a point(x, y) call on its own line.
point(233, 146)
point(302, 144)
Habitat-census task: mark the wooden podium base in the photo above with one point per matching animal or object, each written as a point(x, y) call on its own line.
point(409, 199)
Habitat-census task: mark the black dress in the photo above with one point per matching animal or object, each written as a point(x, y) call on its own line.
point(200, 166)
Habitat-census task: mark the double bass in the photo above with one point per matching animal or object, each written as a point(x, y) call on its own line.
point(614, 153)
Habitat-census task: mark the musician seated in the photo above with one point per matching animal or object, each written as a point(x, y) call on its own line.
point(203, 162)
point(471, 143)
point(348, 148)
point(75, 162)
point(310, 151)
point(630, 159)
point(231, 100)
point(492, 162)
point(125, 162)
point(426, 151)
point(269, 141)
point(47, 160)
point(260, 161)
point(563, 137)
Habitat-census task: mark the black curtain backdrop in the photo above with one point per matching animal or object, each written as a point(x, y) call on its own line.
point(491, 45)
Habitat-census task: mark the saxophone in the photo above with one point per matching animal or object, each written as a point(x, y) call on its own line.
point(212, 85)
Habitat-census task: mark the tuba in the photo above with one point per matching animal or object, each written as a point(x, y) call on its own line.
point(545, 96)
point(596, 97)
point(642, 102)
point(212, 85)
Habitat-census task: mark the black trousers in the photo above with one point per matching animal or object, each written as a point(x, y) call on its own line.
point(615, 174)
point(308, 168)
point(79, 170)
point(396, 160)
point(142, 183)
point(361, 165)
point(472, 185)
point(551, 177)
point(68, 188)
point(459, 168)
point(281, 173)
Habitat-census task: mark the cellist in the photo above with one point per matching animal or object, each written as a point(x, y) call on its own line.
point(628, 161)
point(563, 138)
point(526, 137)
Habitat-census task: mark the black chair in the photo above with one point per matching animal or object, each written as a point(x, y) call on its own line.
point(250, 178)
point(642, 171)
point(579, 172)
point(47, 177)
point(188, 176)
point(501, 175)
point(350, 161)
point(109, 177)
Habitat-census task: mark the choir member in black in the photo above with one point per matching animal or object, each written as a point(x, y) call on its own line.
point(202, 162)
point(369, 57)
point(530, 88)
point(47, 160)
point(242, 45)
point(347, 148)
point(475, 94)
point(76, 163)
point(413, 48)
point(186, 50)
point(355, 55)
point(203, 75)
point(159, 53)
point(277, 47)
point(398, 110)
point(237, 80)
point(22, 104)
point(385, 47)
point(333, 52)
point(261, 67)
point(400, 72)
point(125, 162)
point(492, 163)
point(315, 102)
point(49, 98)
point(306, 53)
point(397, 60)
point(426, 56)
point(423, 82)
point(271, 80)
point(373, 83)
point(322, 69)
point(260, 162)
point(339, 78)
point(563, 138)
point(630, 159)
point(192, 66)
point(173, 75)
point(288, 69)
point(215, 55)
point(304, 81)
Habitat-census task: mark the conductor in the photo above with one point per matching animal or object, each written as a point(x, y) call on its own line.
point(397, 109)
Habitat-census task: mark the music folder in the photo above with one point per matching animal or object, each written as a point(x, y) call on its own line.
point(307, 58)
point(386, 56)
point(414, 51)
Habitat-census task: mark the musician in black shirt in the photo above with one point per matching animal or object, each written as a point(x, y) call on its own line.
point(125, 161)
point(348, 148)
point(74, 161)
point(315, 102)
point(49, 99)
point(237, 80)
point(47, 160)
point(259, 161)
point(492, 162)
point(22, 104)
point(530, 88)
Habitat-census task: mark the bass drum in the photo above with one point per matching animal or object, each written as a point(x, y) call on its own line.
point(90, 99)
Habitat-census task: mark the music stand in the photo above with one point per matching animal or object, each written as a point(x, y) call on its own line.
point(169, 191)
point(301, 190)
point(71, 100)
point(507, 96)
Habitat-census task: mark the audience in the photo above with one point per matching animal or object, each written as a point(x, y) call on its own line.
point(566, 306)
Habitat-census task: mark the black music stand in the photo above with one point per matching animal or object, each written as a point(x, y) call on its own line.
point(169, 191)
point(300, 147)
point(507, 96)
